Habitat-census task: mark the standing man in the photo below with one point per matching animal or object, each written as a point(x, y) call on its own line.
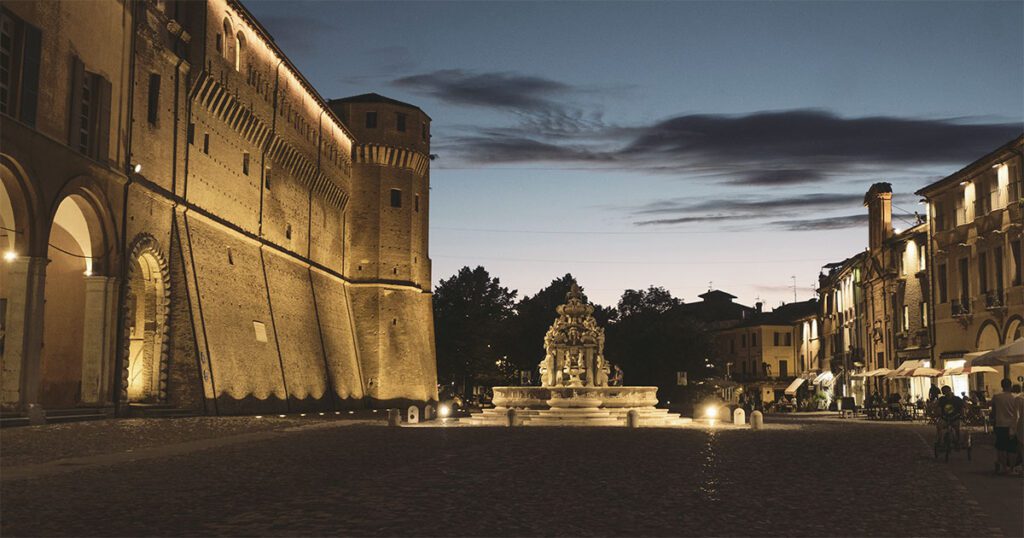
point(1004, 417)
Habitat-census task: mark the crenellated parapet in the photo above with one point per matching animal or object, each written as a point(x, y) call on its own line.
point(222, 103)
point(391, 156)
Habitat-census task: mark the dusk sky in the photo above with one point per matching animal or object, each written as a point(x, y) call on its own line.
point(671, 143)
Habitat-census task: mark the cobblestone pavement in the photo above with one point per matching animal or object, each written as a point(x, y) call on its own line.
point(812, 479)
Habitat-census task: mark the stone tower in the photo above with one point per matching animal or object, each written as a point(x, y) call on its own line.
point(386, 233)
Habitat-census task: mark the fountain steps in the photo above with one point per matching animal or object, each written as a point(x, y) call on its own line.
point(577, 416)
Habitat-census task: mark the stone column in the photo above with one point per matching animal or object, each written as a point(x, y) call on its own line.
point(96, 337)
point(23, 332)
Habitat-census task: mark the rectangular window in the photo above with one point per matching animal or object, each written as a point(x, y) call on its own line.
point(775, 339)
point(154, 98)
point(400, 123)
point(983, 272)
point(396, 198)
point(371, 120)
point(191, 134)
point(965, 283)
point(266, 178)
point(906, 318)
point(922, 256)
point(783, 368)
point(20, 53)
point(788, 339)
point(416, 203)
point(732, 346)
point(743, 340)
point(220, 42)
point(997, 260)
point(245, 163)
point(900, 262)
point(1018, 260)
point(943, 284)
point(89, 115)
point(924, 314)
point(206, 143)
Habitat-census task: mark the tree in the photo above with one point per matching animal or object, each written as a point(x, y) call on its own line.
point(471, 313)
point(654, 299)
point(652, 340)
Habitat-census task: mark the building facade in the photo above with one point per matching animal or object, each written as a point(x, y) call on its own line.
point(768, 350)
point(843, 336)
point(976, 254)
point(896, 285)
point(187, 223)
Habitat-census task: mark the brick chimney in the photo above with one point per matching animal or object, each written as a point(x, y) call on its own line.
point(878, 200)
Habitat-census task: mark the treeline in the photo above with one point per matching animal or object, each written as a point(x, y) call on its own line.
point(486, 336)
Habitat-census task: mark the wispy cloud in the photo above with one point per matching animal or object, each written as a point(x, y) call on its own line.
point(502, 90)
point(830, 223)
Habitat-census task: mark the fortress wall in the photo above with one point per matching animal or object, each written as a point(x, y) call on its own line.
point(336, 328)
point(286, 204)
point(298, 334)
point(246, 372)
point(400, 359)
point(327, 235)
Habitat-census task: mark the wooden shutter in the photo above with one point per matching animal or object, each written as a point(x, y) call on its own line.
point(30, 75)
point(75, 105)
point(102, 101)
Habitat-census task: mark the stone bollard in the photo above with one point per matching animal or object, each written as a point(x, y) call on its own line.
point(510, 417)
point(633, 419)
point(394, 417)
point(36, 414)
point(739, 416)
point(413, 415)
point(756, 420)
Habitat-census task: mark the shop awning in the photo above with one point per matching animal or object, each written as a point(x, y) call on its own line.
point(791, 389)
point(824, 377)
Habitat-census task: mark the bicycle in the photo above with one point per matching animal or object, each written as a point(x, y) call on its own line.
point(951, 439)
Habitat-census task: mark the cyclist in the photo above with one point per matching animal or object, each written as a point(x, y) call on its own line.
point(949, 411)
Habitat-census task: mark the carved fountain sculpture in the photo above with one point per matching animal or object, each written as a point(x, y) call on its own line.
point(575, 387)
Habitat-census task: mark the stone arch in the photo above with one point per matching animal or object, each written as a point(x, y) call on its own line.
point(145, 347)
point(79, 298)
point(988, 336)
point(239, 50)
point(16, 209)
point(1014, 329)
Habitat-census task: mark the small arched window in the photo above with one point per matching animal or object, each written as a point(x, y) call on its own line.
point(226, 50)
point(239, 46)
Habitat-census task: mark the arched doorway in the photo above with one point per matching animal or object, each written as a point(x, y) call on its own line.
point(147, 310)
point(76, 306)
point(988, 339)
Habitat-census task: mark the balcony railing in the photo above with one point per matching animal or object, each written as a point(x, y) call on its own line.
point(960, 307)
point(995, 299)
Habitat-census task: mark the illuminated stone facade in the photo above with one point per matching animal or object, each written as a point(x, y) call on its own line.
point(188, 223)
point(896, 282)
point(977, 259)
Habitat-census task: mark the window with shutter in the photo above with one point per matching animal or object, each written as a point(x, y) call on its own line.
point(20, 45)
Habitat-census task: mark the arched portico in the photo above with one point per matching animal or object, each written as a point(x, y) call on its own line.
point(21, 272)
point(79, 299)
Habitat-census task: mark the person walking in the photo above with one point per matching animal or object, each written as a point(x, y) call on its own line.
point(1004, 418)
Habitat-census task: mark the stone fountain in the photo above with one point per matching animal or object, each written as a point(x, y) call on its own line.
point(575, 388)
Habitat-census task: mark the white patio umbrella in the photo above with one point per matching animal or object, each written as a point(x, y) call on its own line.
point(967, 370)
point(922, 372)
point(1012, 353)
